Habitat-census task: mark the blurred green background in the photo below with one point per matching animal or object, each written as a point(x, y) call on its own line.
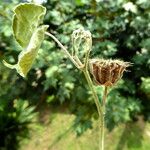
point(52, 109)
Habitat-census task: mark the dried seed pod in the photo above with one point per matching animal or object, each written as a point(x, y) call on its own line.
point(107, 72)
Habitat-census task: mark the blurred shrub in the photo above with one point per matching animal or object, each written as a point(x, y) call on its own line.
point(145, 87)
point(120, 29)
point(15, 118)
point(121, 109)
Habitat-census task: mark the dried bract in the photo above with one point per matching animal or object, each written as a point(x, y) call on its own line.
point(107, 72)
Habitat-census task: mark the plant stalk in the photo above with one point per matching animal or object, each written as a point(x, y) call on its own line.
point(103, 118)
point(100, 108)
point(96, 99)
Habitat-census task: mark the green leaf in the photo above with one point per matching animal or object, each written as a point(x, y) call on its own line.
point(28, 34)
point(26, 19)
point(28, 55)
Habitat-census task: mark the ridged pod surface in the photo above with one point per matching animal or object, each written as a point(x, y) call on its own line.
point(107, 72)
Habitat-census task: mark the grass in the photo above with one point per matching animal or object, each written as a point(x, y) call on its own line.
point(56, 133)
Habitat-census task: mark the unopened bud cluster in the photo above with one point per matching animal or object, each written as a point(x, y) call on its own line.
point(107, 72)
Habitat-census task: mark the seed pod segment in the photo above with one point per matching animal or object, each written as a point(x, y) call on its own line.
point(107, 72)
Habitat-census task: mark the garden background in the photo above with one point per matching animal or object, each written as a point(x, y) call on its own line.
point(53, 109)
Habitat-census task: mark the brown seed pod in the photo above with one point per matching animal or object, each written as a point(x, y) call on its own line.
point(107, 72)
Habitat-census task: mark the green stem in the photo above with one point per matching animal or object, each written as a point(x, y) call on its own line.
point(100, 108)
point(103, 118)
point(84, 68)
point(102, 133)
point(96, 99)
point(64, 49)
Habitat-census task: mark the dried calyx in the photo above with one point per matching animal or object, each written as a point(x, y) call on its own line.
point(107, 72)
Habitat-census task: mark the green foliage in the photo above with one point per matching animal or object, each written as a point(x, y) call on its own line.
point(15, 118)
point(118, 31)
point(122, 109)
point(145, 86)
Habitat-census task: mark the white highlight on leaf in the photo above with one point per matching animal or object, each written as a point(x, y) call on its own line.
point(130, 7)
point(38, 1)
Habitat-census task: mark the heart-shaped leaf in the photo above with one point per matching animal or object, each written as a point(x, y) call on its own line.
point(28, 34)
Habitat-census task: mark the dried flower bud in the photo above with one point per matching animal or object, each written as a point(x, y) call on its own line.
point(83, 38)
point(107, 72)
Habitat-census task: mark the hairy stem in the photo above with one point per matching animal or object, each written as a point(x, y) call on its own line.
point(100, 108)
point(90, 83)
point(64, 49)
point(96, 99)
point(103, 118)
